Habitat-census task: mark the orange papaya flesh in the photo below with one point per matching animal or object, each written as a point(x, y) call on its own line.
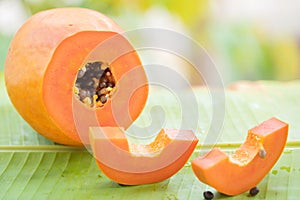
point(243, 169)
point(63, 102)
point(43, 62)
point(135, 164)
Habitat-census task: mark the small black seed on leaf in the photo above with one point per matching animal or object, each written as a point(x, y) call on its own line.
point(208, 195)
point(253, 191)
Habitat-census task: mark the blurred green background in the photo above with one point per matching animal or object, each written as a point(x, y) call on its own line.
point(249, 40)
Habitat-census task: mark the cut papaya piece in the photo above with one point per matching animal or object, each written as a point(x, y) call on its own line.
point(60, 61)
point(135, 164)
point(243, 169)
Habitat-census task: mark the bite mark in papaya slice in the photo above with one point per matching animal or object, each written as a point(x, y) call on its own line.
point(135, 164)
point(245, 168)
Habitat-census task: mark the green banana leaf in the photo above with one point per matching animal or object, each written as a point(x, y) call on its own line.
point(32, 167)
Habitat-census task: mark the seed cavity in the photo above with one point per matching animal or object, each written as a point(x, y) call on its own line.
point(94, 84)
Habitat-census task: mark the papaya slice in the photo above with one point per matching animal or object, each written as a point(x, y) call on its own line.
point(243, 169)
point(134, 164)
point(56, 64)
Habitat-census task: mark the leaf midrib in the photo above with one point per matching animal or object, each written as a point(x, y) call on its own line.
point(40, 148)
point(58, 148)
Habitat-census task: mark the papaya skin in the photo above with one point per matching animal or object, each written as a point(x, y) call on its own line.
point(133, 164)
point(42, 63)
point(239, 172)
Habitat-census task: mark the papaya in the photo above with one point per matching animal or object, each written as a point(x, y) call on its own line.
point(56, 64)
point(235, 173)
point(130, 163)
